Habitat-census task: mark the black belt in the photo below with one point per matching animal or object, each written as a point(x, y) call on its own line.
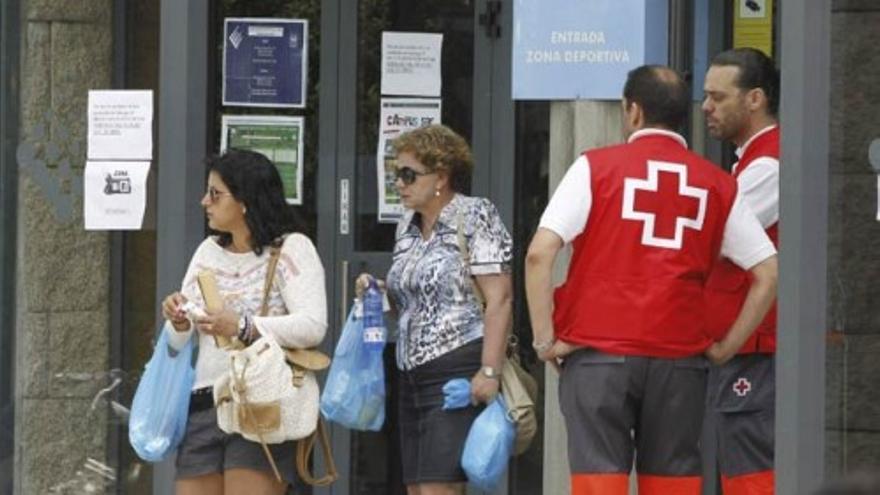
point(201, 399)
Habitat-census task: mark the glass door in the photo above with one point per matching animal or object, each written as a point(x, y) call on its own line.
point(363, 243)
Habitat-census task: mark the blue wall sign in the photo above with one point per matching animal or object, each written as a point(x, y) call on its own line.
point(265, 62)
point(569, 50)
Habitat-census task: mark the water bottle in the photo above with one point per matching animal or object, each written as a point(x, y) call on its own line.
point(374, 322)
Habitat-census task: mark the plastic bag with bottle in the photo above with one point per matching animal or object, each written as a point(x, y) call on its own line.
point(354, 395)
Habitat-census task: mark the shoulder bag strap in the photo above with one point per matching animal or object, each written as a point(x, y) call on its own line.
point(304, 449)
point(275, 253)
point(466, 260)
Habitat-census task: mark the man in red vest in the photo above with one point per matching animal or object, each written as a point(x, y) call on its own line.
point(741, 104)
point(647, 221)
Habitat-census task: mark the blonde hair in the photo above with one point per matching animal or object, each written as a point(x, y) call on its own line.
point(438, 147)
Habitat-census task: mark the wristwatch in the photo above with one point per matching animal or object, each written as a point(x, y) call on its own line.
point(543, 346)
point(490, 372)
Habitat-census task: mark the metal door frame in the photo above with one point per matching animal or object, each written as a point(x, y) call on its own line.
point(803, 195)
point(10, 25)
point(183, 142)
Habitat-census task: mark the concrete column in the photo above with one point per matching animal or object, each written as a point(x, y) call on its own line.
point(574, 127)
point(62, 334)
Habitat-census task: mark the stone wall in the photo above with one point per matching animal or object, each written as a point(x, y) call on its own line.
point(852, 398)
point(63, 271)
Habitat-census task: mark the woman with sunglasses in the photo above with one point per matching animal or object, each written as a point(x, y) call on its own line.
point(248, 214)
point(447, 245)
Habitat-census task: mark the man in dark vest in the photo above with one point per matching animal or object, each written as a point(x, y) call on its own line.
point(647, 221)
point(741, 104)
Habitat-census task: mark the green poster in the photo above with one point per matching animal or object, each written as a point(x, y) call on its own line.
point(278, 138)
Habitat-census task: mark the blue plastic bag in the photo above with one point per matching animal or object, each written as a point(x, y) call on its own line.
point(488, 446)
point(456, 394)
point(354, 395)
point(161, 403)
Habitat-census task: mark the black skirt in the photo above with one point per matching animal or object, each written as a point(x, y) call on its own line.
point(431, 439)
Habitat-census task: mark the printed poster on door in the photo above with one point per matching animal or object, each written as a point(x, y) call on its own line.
point(411, 64)
point(265, 62)
point(396, 116)
point(279, 138)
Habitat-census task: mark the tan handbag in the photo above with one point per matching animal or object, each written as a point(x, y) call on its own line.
point(518, 387)
point(520, 390)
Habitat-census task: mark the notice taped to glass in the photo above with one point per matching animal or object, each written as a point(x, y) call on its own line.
point(279, 138)
point(396, 116)
point(265, 62)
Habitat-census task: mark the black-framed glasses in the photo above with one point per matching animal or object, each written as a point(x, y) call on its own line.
point(214, 193)
point(408, 175)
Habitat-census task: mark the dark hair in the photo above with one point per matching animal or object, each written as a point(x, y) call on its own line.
point(662, 94)
point(254, 180)
point(756, 70)
point(439, 147)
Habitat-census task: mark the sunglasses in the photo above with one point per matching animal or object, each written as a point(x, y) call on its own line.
point(214, 193)
point(408, 175)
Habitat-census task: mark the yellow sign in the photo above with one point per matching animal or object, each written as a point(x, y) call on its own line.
point(753, 25)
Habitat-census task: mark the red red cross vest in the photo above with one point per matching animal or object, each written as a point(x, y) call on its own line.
point(728, 284)
point(654, 231)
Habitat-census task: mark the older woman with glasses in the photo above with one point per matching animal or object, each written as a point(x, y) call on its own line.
point(447, 246)
point(248, 214)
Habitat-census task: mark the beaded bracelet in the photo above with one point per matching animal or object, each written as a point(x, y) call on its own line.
point(246, 329)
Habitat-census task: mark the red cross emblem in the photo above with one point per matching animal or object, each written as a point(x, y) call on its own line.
point(665, 204)
point(742, 387)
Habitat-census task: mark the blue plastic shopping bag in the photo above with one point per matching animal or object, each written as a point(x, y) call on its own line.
point(161, 403)
point(488, 446)
point(456, 394)
point(354, 395)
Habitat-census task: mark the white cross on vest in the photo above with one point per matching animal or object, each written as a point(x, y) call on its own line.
point(649, 217)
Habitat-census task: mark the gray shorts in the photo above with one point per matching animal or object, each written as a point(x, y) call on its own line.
point(206, 449)
point(743, 396)
point(617, 405)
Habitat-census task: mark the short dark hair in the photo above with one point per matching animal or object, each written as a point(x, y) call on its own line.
point(254, 180)
point(662, 94)
point(756, 70)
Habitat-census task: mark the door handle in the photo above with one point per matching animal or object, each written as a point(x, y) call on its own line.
point(343, 303)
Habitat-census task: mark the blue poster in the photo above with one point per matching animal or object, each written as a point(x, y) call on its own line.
point(569, 50)
point(265, 62)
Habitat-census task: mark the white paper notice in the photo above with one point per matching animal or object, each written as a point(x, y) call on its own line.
point(115, 195)
point(398, 115)
point(411, 64)
point(120, 125)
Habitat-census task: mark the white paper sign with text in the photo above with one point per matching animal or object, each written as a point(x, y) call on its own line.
point(411, 64)
point(120, 125)
point(115, 195)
